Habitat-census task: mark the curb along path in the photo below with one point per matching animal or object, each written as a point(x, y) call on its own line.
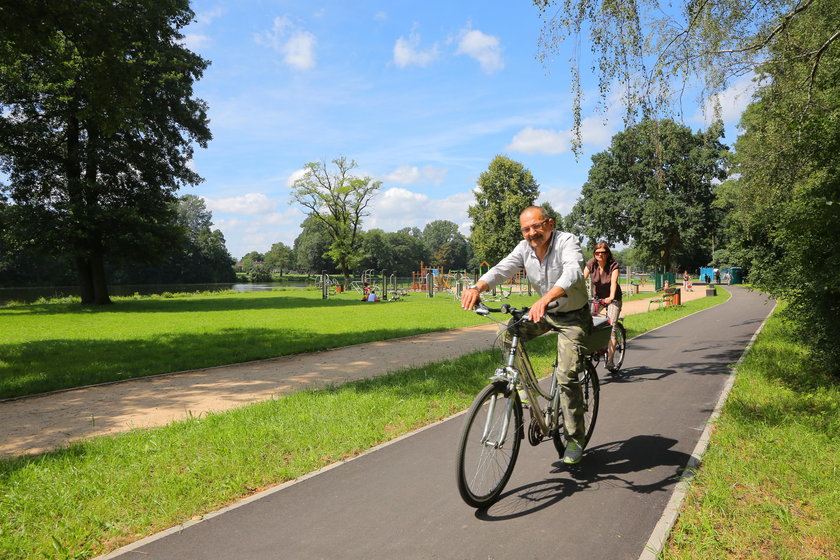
point(40, 423)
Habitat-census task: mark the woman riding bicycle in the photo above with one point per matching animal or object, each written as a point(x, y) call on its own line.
point(603, 269)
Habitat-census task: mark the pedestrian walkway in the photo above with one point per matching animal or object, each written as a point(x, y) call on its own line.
point(39, 423)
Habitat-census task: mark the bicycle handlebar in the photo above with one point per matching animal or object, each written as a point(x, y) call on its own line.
point(506, 308)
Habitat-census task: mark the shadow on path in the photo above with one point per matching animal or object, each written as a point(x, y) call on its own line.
point(613, 464)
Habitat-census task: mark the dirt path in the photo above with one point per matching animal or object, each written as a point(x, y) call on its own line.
point(39, 423)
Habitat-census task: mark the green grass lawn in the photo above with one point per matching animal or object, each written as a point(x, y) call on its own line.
point(769, 486)
point(102, 493)
point(59, 345)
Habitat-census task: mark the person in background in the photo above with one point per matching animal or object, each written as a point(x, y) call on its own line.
point(687, 282)
point(603, 270)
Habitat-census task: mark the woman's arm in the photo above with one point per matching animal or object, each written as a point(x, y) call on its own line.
point(613, 285)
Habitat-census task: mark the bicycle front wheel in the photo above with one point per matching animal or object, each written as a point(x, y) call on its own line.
point(591, 389)
point(489, 444)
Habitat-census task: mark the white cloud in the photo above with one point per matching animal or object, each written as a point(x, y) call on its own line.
point(296, 45)
point(381, 16)
point(435, 174)
point(404, 175)
point(195, 41)
point(206, 18)
point(530, 140)
point(407, 52)
point(484, 48)
point(562, 199)
point(397, 208)
point(733, 100)
point(540, 141)
point(260, 232)
point(410, 175)
point(290, 181)
point(251, 204)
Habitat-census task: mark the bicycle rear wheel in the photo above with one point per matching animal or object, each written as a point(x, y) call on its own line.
point(620, 346)
point(489, 444)
point(591, 389)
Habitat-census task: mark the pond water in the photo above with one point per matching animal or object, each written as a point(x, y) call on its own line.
point(29, 295)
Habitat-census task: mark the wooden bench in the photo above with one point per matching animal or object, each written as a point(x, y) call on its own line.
point(666, 299)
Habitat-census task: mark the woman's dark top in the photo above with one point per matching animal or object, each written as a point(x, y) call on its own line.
point(601, 280)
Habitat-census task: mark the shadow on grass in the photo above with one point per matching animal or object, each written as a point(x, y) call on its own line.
point(42, 366)
point(197, 304)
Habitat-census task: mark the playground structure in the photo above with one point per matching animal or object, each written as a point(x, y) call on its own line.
point(386, 286)
point(429, 280)
point(432, 280)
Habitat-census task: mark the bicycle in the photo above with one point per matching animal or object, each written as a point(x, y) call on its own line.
point(599, 314)
point(494, 428)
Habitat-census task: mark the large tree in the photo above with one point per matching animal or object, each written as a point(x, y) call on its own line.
point(503, 192)
point(97, 127)
point(445, 245)
point(339, 200)
point(280, 257)
point(783, 205)
point(654, 186)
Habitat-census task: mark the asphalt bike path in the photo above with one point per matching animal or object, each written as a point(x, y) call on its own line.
point(401, 501)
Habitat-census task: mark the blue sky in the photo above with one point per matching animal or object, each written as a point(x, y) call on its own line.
point(421, 95)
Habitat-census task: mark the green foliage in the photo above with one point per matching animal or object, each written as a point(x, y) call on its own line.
point(339, 201)
point(311, 246)
point(504, 191)
point(395, 253)
point(654, 186)
point(259, 273)
point(97, 126)
point(445, 245)
point(783, 208)
point(280, 257)
point(251, 259)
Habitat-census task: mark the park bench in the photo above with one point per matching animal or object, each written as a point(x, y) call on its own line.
point(666, 299)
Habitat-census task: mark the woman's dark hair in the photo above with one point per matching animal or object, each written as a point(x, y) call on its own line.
point(604, 245)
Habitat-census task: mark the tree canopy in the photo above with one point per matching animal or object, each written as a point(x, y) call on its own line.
point(445, 245)
point(339, 201)
point(97, 127)
point(782, 205)
point(503, 192)
point(654, 186)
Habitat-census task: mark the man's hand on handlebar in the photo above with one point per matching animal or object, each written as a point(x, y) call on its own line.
point(470, 297)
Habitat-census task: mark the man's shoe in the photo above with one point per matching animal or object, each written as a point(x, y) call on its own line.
point(573, 454)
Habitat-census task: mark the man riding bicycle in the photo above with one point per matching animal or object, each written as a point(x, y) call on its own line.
point(554, 264)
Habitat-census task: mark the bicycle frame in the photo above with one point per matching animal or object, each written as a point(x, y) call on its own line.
point(528, 381)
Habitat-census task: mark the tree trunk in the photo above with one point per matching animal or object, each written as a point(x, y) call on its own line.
point(85, 281)
point(100, 285)
point(92, 280)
